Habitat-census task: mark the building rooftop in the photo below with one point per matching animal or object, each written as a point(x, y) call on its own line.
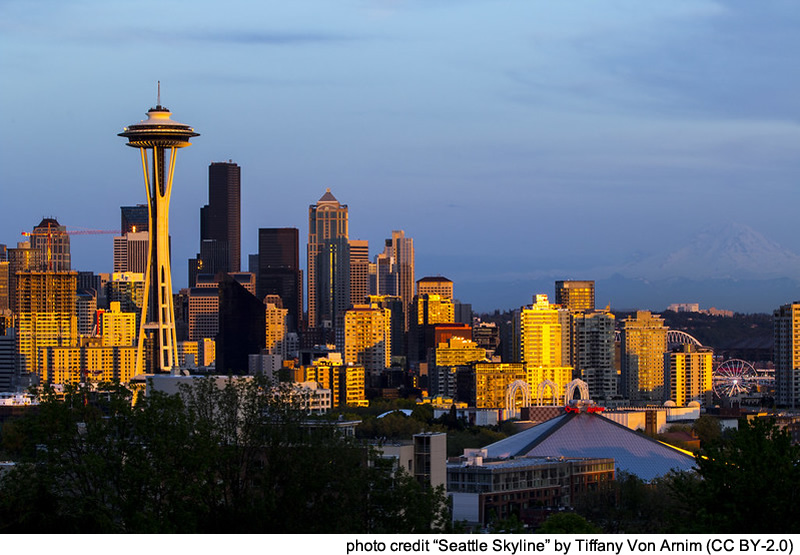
point(590, 435)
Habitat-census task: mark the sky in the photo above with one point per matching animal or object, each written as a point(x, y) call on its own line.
point(509, 139)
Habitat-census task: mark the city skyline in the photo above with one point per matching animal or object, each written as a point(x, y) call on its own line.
point(580, 138)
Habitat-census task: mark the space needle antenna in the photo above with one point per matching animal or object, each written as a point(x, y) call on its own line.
point(158, 100)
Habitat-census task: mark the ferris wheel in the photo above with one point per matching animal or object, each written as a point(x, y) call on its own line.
point(734, 377)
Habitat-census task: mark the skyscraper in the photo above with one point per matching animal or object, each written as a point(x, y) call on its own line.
point(575, 295)
point(133, 219)
point(164, 137)
point(52, 240)
point(786, 325)
point(644, 342)
point(687, 374)
point(328, 235)
point(359, 270)
point(279, 271)
point(220, 220)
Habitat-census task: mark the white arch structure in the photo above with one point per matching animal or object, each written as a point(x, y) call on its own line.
point(540, 393)
point(511, 392)
point(581, 386)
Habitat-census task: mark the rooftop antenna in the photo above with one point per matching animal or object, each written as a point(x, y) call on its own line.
point(158, 101)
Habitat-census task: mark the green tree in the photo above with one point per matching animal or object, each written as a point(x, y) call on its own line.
point(708, 429)
point(567, 523)
point(237, 458)
point(748, 482)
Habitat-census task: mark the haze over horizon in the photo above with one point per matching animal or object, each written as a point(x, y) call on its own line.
point(512, 142)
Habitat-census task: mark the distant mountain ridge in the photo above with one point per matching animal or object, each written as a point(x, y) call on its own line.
point(729, 251)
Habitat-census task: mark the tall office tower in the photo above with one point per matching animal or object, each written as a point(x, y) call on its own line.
point(203, 302)
point(52, 240)
point(644, 342)
point(395, 305)
point(5, 285)
point(279, 271)
point(163, 137)
point(275, 330)
point(46, 306)
point(133, 219)
point(359, 271)
point(86, 311)
point(688, 370)
point(437, 285)
point(20, 259)
point(328, 234)
point(428, 309)
point(786, 325)
point(575, 295)
point(220, 220)
point(3, 253)
point(487, 336)
point(594, 352)
point(540, 341)
point(130, 252)
point(446, 359)
point(368, 339)
point(8, 350)
point(242, 326)
point(462, 312)
point(384, 280)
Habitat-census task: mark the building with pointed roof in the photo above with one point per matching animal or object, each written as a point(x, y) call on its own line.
point(587, 434)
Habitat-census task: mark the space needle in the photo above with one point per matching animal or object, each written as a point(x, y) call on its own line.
point(163, 136)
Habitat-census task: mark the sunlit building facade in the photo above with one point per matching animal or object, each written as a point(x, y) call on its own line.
point(643, 344)
point(368, 338)
point(688, 371)
point(328, 233)
point(786, 335)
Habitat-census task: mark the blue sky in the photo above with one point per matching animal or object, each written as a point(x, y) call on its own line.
point(506, 137)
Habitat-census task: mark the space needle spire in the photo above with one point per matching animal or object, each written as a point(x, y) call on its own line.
point(162, 137)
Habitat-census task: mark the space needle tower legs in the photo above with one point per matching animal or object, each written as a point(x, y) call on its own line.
point(163, 136)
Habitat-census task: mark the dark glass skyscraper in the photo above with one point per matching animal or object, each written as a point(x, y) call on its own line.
point(220, 220)
point(279, 270)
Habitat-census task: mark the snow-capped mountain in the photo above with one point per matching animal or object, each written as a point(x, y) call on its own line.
point(729, 251)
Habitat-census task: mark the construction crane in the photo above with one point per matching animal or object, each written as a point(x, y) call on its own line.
point(52, 230)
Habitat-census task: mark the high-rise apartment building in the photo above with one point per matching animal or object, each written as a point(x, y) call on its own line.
point(368, 338)
point(644, 342)
point(328, 261)
point(688, 370)
point(279, 271)
point(541, 336)
point(786, 329)
point(118, 328)
point(46, 308)
point(594, 352)
point(275, 328)
point(575, 295)
point(220, 220)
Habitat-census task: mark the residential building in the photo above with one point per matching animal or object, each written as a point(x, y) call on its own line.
point(643, 344)
point(688, 371)
point(594, 352)
point(368, 339)
point(786, 330)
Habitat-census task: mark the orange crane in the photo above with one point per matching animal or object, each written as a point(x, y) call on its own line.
point(51, 231)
